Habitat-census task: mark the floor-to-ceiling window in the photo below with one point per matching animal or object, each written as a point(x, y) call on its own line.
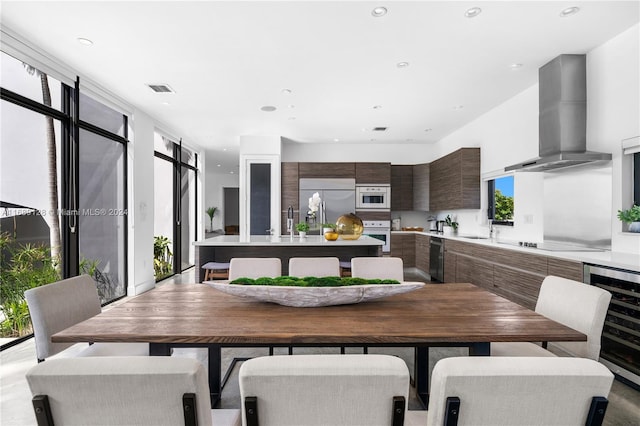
point(175, 207)
point(62, 190)
point(102, 197)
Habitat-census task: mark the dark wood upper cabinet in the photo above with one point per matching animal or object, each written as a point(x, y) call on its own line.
point(402, 187)
point(421, 173)
point(327, 170)
point(373, 173)
point(454, 181)
point(289, 195)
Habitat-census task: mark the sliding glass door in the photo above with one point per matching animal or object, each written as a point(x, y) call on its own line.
point(176, 206)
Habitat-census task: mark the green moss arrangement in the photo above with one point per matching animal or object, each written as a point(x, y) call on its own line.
point(286, 281)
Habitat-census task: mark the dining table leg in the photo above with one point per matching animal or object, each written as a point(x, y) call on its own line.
point(421, 367)
point(215, 373)
point(421, 374)
point(214, 364)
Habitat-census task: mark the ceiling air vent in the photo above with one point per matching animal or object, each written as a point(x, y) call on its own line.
point(161, 88)
point(379, 129)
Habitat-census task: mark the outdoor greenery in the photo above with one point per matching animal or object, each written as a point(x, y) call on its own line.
point(503, 206)
point(631, 215)
point(311, 281)
point(23, 266)
point(162, 257)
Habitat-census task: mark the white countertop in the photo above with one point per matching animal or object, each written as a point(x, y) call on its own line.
point(612, 259)
point(286, 240)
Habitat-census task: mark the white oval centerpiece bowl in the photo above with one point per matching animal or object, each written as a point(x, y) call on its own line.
point(307, 297)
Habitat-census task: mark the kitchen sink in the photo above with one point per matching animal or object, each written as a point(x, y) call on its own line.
point(473, 237)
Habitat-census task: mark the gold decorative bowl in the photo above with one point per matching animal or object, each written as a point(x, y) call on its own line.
point(349, 226)
point(331, 236)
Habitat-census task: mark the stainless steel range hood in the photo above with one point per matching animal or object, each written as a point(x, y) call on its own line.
point(562, 123)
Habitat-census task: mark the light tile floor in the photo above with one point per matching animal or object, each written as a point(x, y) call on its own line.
point(15, 398)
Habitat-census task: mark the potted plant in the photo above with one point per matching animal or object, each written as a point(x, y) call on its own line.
point(632, 217)
point(211, 211)
point(451, 223)
point(302, 228)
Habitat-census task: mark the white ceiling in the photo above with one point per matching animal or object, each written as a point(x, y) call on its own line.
point(226, 60)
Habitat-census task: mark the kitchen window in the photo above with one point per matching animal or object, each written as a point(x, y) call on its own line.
point(500, 200)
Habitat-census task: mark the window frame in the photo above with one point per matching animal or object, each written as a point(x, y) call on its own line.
point(491, 208)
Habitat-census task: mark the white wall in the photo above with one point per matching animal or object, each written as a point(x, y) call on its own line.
point(395, 153)
point(613, 112)
point(141, 204)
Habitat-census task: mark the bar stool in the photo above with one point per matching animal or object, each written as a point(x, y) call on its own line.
point(345, 268)
point(216, 270)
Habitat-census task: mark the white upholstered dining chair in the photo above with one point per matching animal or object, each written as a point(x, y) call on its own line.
point(56, 306)
point(314, 267)
point(124, 391)
point(307, 390)
point(577, 305)
point(518, 391)
point(254, 267)
point(390, 268)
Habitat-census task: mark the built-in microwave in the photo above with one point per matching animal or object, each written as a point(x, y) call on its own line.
point(370, 197)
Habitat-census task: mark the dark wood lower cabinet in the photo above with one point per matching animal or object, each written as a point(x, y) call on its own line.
point(404, 247)
point(514, 275)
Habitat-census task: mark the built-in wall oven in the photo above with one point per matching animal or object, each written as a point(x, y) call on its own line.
point(621, 333)
point(373, 197)
point(380, 229)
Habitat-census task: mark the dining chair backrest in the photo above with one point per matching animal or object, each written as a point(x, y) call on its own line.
point(254, 267)
point(310, 390)
point(577, 305)
point(517, 391)
point(121, 391)
point(314, 267)
point(59, 305)
point(390, 268)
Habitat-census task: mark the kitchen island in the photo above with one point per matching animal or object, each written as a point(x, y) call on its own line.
point(225, 247)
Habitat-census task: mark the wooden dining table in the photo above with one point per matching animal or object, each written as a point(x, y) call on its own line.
point(436, 315)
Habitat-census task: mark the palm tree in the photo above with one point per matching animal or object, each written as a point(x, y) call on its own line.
point(52, 163)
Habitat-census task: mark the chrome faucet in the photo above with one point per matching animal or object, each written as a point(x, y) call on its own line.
point(290, 221)
point(493, 232)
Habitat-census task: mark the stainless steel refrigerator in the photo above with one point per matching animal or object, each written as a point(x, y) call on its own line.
point(338, 197)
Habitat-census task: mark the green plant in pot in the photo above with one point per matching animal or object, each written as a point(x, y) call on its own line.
point(450, 222)
point(211, 211)
point(302, 228)
point(632, 217)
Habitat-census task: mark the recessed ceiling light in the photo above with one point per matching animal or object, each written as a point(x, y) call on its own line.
point(569, 11)
point(427, 130)
point(458, 107)
point(377, 106)
point(515, 66)
point(286, 91)
point(473, 12)
point(379, 11)
point(292, 118)
point(84, 41)
point(218, 165)
point(409, 140)
point(231, 172)
point(402, 64)
point(268, 108)
point(373, 140)
point(224, 149)
point(291, 106)
point(166, 103)
point(336, 140)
